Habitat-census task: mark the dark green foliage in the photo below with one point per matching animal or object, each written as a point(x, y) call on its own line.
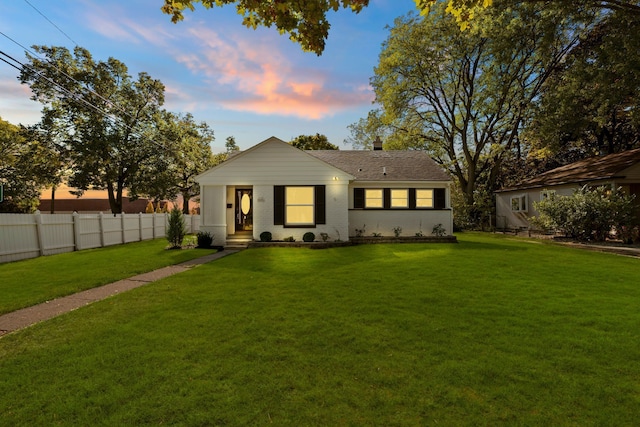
point(309, 237)
point(289, 239)
point(265, 236)
point(588, 214)
point(176, 229)
point(205, 239)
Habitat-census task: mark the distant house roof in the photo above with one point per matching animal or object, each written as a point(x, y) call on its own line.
point(591, 169)
point(384, 165)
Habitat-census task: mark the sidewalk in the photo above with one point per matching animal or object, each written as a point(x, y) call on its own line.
point(31, 315)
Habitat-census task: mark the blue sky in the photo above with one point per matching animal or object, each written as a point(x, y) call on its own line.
point(243, 83)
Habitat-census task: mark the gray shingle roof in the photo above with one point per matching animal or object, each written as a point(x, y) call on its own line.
point(371, 165)
point(591, 169)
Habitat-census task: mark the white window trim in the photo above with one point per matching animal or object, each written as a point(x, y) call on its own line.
point(522, 203)
point(287, 205)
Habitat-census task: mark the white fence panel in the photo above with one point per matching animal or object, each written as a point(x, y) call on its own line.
point(18, 237)
point(160, 223)
point(146, 227)
point(30, 235)
point(111, 230)
point(56, 233)
point(131, 228)
point(88, 231)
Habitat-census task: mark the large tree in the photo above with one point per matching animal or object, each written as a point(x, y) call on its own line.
point(464, 95)
point(108, 116)
point(187, 154)
point(591, 105)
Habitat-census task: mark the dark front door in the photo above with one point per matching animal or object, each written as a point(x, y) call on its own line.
point(244, 209)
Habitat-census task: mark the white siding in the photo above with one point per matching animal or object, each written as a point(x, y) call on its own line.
point(411, 221)
point(508, 219)
point(632, 173)
point(272, 162)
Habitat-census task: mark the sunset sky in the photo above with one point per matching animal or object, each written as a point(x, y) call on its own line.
point(243, 83)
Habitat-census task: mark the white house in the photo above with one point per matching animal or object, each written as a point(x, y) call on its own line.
point(276, 187)
point(515, 205)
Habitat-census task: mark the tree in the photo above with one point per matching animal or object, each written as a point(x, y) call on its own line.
point(464, 96)
point(108, 118)
point(590, 106)
point(187, 154)
point(231, 145)
point(304, 21)
point(21, 190)
point(176, 228)
point(313, 142)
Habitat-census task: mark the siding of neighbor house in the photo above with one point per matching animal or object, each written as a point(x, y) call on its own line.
point(628, 179)
point(508, 219)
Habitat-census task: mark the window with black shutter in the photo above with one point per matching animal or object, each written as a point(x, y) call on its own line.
point(439, 198)
point(299, 206)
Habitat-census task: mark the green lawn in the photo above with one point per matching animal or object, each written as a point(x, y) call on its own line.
point(491, 331)
point(32, 281)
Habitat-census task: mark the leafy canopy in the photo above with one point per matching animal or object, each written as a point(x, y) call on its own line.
point(306, 21)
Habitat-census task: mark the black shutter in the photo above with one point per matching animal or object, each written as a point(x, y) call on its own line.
point(386, 198)
point(439, 200)
point(358, 198)
point(412, 198)
point(320, 207)
point(278, 205)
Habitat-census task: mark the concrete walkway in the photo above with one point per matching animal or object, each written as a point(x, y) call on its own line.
point(28, 316)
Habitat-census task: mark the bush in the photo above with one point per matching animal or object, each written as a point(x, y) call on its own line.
point(324, 236)
point(265, 236)
point(289, 239)
point(205, 239)
point(588, 214)
point(438, 230)
point(176, 229)
point(308, 237)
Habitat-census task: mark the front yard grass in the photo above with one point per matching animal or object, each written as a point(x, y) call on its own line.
point(33, 281)
point(490, 331)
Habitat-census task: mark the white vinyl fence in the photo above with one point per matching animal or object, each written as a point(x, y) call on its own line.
point(31, 235)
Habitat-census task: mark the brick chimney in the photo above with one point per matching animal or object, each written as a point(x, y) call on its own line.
point(377, 144)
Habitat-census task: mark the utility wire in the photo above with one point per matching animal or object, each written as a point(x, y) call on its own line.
point(51, 22)
point(116, 121)
point(108, 101)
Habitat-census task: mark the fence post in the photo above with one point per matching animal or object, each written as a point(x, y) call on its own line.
point(76, 231)
point(140, 226)
point(154, 224)
point(38, 220)
point(101, 221)
point(122, 225)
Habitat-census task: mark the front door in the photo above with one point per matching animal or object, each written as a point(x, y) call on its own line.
point(244, 209)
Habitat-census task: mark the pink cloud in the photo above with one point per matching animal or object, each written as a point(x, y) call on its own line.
point(266, 81)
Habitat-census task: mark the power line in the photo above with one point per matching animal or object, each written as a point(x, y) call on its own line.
point(51, 22)
point(108, 101)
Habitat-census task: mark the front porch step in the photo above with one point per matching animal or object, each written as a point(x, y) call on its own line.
point(238, 242)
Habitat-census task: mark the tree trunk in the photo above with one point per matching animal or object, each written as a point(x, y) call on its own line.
point(185, 203)
point(115, 200)
point(53, 199)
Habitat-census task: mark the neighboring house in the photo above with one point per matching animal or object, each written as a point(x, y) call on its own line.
point(515, 205)
point(95, 201)
point(278, 188)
